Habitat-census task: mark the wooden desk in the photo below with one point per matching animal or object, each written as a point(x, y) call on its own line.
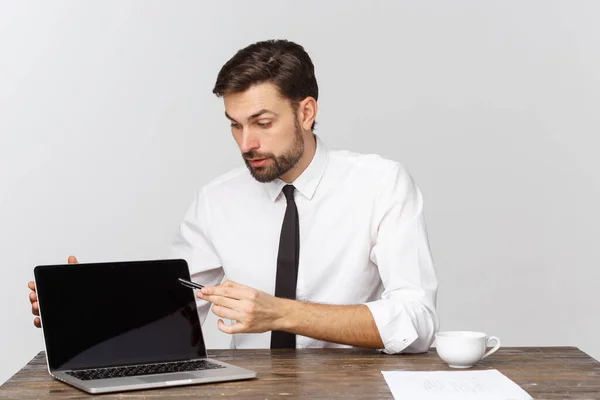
point(545, 373)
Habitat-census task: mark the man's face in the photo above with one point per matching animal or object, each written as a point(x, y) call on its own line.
point(266, 129)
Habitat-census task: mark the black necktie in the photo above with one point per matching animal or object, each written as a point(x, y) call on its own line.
point(287, 265)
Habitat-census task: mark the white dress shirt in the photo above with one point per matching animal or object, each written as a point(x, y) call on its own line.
point(362, 241)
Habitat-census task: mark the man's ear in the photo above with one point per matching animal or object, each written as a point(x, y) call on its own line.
point(307, 112)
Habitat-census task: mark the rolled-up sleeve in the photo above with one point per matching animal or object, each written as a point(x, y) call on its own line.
point(192, 243)
point(406, 315)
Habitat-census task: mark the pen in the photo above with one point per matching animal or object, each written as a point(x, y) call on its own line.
point(190, 284)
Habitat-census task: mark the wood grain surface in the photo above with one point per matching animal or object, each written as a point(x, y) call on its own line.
point(544, 372)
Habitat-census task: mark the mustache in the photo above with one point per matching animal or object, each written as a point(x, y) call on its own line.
point(253, 155)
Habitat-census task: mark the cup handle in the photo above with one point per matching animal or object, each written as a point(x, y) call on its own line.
point(496, 347)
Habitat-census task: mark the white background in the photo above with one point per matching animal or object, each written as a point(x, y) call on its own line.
point(108, 126)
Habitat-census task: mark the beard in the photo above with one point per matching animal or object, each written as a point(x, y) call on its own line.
point(280, 164)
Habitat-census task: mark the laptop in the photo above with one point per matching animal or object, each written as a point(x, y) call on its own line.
point(117, 326)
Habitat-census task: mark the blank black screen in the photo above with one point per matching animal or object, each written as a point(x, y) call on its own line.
point(108, 314)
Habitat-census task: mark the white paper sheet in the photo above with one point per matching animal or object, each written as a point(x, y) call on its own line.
point(453, 385)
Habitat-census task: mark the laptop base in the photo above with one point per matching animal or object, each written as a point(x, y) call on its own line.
point(229, 373)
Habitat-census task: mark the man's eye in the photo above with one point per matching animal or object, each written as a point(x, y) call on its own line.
point(264, 124)
point(234, 125)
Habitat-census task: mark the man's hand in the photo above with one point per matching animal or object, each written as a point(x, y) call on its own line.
point(254, 311)
point(35, 309)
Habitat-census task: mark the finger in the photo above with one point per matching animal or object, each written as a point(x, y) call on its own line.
point(35, 310)
point(72, 260)
point(31, 285)
point(225, 312)
point(37, 322)
point(233, 284)
point(32, 297)
point(233, 292)
point(224, 302)
point(220, 290)
point(235, 328)
point(238, 290)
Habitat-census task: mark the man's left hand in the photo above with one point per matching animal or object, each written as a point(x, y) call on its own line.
point(254, 311)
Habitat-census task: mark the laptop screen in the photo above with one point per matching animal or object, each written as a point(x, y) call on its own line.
point(111, 314)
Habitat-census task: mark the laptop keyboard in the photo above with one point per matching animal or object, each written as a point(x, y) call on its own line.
point(145, 369)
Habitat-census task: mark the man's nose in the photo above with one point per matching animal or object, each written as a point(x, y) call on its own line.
point(249, 142)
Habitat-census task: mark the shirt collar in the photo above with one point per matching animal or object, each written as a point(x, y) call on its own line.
point(308, 181)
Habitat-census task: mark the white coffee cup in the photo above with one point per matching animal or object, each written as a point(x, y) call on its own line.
point(463, 349)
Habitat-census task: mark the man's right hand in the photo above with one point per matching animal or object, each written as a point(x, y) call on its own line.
point(35, 309)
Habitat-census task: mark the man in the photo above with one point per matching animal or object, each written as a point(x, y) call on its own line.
point(320, 248)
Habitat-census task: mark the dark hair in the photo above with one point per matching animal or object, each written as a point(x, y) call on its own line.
point(280, 62)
